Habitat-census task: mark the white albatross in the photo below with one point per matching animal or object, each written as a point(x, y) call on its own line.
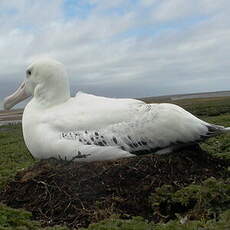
point(89, 128)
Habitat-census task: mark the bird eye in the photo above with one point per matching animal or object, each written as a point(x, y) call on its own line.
point(28, 72)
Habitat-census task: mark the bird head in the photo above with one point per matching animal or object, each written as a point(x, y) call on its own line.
point(46, 81)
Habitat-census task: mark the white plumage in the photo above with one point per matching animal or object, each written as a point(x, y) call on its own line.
point(88, 127)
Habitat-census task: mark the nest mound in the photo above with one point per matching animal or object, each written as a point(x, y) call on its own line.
point(78, 194)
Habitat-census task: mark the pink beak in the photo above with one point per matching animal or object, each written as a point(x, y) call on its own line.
point(19, 95)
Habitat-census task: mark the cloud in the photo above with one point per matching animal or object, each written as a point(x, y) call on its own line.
point(120, 48)
point(170, 10)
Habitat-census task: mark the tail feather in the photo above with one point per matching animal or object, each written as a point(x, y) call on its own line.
point(214, 130)
point(227, 129)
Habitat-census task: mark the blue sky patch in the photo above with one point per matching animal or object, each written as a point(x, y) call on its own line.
point(77, 9)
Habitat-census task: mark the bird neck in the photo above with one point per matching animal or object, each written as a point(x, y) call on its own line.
point(50, 95)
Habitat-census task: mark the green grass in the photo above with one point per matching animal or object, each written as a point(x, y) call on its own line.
point(14, 157)
point(219, 145)
point(12, 219)
point(139, 223)
point(17, 219)
point(205, 106)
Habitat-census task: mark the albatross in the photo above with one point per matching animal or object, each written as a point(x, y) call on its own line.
point(88, 127)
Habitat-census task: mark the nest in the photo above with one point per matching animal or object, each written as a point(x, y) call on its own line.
point(77, 194)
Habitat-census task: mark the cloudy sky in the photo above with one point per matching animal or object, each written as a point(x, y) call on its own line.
point(121, 48)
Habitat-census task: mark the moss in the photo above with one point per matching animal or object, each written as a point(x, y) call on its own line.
point(18, 219)
point(218, 146)
point(139, 223)
point(205, 201)
point(222, 224)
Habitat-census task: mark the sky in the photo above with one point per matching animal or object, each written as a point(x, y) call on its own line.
point(122, 48)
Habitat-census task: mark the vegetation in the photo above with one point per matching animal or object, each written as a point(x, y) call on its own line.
point(12, 219)
point(138, 223)
point(17, 219)
point(206, 106)
point(203, 205)
point(14, 155)
point(199, 202)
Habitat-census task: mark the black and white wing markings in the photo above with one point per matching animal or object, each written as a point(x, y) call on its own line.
point(101, 138)
point(132, 143)
point(86, 137)
point(145, 146)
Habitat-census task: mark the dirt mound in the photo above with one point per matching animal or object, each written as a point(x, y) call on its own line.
point(77, 194)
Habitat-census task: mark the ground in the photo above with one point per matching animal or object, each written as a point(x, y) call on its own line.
point(191, 186)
